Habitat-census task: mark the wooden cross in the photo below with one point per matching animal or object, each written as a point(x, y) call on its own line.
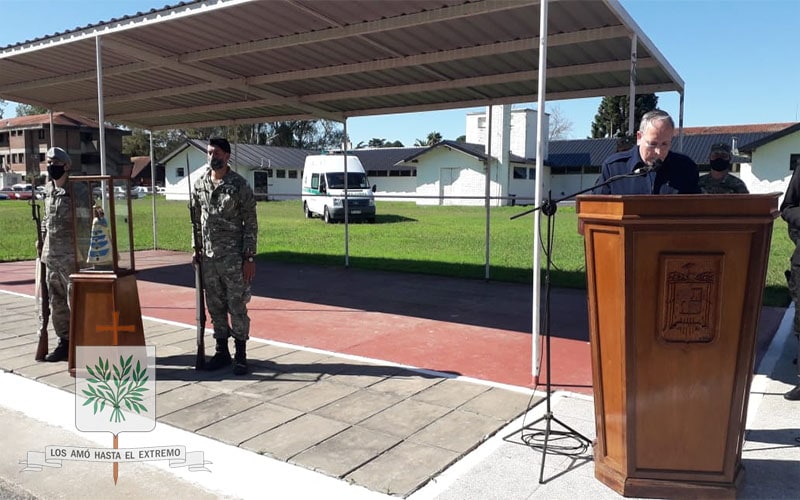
point(116, 328)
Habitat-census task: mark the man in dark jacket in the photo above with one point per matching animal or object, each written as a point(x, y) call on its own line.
point(660, 171)
point(790, 211)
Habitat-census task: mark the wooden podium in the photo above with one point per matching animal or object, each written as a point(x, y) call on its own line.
point(104, 299)
point(675, 286)
point(106, 312)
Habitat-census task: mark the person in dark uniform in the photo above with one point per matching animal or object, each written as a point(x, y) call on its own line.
point(670, 172)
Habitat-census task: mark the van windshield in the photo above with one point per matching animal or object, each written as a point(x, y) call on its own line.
point(355, 180)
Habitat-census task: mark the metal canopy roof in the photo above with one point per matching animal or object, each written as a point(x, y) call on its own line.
point(222, 62)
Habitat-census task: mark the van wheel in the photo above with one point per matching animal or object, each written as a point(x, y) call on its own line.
point(371, 220)
point(306, 212)
point(327, 216)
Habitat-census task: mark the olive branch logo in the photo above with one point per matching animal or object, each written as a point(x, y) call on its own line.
point(115, 387)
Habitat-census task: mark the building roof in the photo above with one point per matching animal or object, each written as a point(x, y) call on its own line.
point(592, 152)
point(564, 153)
point(749, 147)
point(254, 156)
point(736, 129)
point(386, 158)
point(308, 59)
point(263, 156)
point(580, 152)
point(140, 164)
point(472, 149)
point(60, 119)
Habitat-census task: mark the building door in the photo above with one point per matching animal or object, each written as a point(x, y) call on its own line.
point(260, 184)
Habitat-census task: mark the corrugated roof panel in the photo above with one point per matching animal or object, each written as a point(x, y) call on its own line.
point(429, 55)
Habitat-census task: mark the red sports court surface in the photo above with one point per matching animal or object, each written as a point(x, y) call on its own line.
point(471, 328)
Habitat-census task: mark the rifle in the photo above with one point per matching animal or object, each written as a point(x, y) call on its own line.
point(42, 298)
point(199, 287)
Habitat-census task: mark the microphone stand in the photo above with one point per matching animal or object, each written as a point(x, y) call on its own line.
point(544, 207)
point(548, 208)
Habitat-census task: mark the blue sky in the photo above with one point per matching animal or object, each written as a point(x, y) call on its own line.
point(739, 60)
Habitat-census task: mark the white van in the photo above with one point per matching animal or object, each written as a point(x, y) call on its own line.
point(323, 189)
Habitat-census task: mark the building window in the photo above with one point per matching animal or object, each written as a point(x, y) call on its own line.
point(41, 134)
point(293, 174)
point(531, 173)
point(520, 172)
point(481, 122)
point(794, 162)
point(280, 173)
point(179, 172)
point(377, 173)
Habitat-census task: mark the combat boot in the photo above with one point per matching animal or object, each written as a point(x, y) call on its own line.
point(221, 358)
point(60, 353)
point(240, 358)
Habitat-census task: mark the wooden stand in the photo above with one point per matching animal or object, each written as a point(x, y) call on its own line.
point(675, 286)
point(104, 311)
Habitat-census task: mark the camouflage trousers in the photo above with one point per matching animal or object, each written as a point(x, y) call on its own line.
point(227, 295)
point(793, 277)
point(58, 289)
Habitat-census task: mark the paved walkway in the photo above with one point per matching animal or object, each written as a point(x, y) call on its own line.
point(343, 402)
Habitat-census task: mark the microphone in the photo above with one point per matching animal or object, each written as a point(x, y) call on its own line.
point(642, 168)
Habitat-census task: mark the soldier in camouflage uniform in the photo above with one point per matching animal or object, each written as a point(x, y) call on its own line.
point(790, 211)
point(720, 180)
point(226, 207)
point(58, 252)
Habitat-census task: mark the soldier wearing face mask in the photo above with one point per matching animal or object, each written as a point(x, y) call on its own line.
point(720, 180)
point(58, 246)
point(226, 208)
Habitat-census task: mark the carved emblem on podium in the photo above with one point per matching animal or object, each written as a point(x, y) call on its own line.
point(691, 293)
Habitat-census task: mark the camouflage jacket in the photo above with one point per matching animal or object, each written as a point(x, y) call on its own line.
point(729, 184)
point(227, 214)
point(57, 224)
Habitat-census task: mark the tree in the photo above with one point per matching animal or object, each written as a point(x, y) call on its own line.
point(30, 109)
point(611, 119)
point(164, 141)
point(560, 125)
point(379, 143)
point(433, 138)
point(2, 107)
point(303, 134)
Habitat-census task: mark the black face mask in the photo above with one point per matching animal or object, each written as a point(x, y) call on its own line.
point(55, 171)
point(720, 164)
point(216, 164)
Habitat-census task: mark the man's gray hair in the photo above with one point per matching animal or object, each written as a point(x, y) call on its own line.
point(653, 116)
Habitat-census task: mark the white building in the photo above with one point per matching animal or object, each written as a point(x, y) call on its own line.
point(454, 173)
point(773, 159)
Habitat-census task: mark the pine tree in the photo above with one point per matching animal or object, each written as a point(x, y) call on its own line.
point(611, 119)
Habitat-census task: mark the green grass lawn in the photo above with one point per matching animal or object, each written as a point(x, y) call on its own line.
point(406, 237)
